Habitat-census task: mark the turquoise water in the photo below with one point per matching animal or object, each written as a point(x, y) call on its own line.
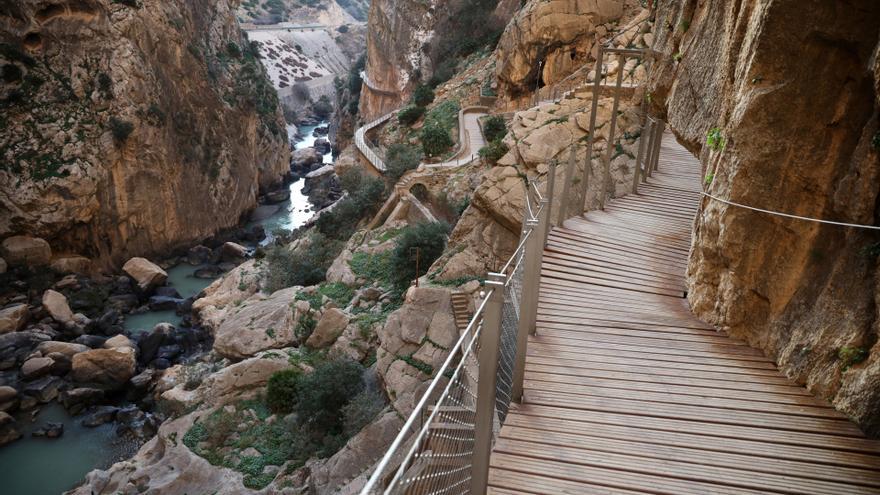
point(42, 466)
point(181, 278)
point(297, 211)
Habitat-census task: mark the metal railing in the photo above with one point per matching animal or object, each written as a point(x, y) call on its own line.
point(444, 446)
point(360, 141)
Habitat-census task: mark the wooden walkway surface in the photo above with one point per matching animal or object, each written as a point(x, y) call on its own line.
point(627, 392)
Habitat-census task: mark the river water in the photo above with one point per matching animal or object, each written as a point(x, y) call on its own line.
point(41, 466)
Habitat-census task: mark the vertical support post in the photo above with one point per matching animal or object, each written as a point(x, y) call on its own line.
point(566, 186)
point(609, 146)
point(528, 308)
point(658, 141)
point(594, 108)
point(484, 419)
point(649, 146)
point(640, 157)
point(548, 200)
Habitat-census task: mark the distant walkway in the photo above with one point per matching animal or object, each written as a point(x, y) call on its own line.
point(627, 392)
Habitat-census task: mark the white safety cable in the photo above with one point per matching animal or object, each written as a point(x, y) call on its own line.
point(788, 215)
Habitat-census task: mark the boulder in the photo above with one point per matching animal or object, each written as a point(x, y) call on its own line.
point(340, 270)
point(36, 367)
point(146, 273)
point(199, 255)
point(279, 196)
point(56, 305)
point(77, 399)
point(49, 430)
point(302, 160)
point(264, 212)
point(231, 251)
point(66, 348)
point(2, 266)
point(168, 292)
point(13, 318)
point(224, 295)
point(105, 367)
point(43, 390)
point(118, 341)
point(260, 323)
point(8, 398)
point(99, 416)
point(8, 431)
point(163, 303)
point(27, 251)
point(71, 264)
point(330, 327)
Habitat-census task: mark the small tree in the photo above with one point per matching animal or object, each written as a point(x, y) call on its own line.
point(281, 394)
point(323, 393)
point(429, 238)
point(423, 96)
point(301, 91)
point(494, 128)
point(400, 158)
point(435, 139)
point(493, 151)
point(410, 114)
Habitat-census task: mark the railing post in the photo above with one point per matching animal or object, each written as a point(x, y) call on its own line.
point(566, 186)
point(484, 419)
point(658, 141)
point(643, 139)
point(609, 146)
point(594, 108)
point(551, 185)
point(649, 147)
point(528, 308)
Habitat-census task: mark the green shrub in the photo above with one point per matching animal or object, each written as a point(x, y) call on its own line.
point(305, 266)
point(493, 151)
point(715, 140)
point(323, 107)
point(121, 129)
point(850, 356)
point(429, 238)
point(410, 114)
point(323, 393)
point(338, 292)
point(361, 410)
point(365, 195)
point(233, 50)
point(400, 158)
point(281, 392)
point(445, 114)
point(435, 139)
point(494, 128)
point(423, 96)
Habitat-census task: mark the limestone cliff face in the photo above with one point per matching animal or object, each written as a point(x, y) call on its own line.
point(408, 40)
point(131, 127)
point(794, 91)
point(548, 40)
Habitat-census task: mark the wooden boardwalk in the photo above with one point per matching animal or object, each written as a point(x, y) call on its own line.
point(627, 392)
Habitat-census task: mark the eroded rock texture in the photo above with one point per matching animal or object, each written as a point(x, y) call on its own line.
point(131, 127)
point(793, 90)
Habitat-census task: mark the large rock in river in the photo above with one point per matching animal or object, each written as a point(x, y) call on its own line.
point(26, 250)
point(106, 367)
point(13, 318)
point(56, 305)
point(146, 273)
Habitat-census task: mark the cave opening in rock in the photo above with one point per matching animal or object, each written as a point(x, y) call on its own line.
point(33, 41)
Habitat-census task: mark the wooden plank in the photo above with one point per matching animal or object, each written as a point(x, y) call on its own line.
point(675, 468)
point(767, 456)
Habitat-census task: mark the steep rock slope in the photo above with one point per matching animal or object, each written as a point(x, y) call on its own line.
point(131, 127)
point(790, 93)
point(409, 41)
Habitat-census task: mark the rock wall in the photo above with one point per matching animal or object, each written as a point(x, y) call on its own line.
point(407, 41)
point(793, 90)
point(548, 40)
point(131, 128)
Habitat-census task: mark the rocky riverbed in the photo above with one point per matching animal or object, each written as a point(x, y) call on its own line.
point(81, 352)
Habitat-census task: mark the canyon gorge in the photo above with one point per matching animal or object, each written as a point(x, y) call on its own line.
point(239, 239)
